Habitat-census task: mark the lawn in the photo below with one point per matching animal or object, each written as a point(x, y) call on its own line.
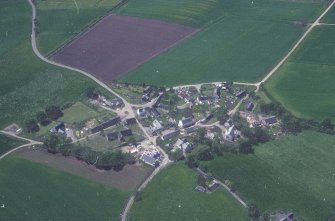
point(171, 196)
point(295, 173)
point(60, 21)
point(32, 191)
point(8, 143)
point(28, 85)
point(305, 83)
point(243, 45)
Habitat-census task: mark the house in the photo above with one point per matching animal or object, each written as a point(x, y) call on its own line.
point(112, 136)
point(149, 160)
point(213, 186)
point(267, 121)
point(116, 103)
point(191, 129)
point(187, 122)
point(145, 98)
point(201, 189)
point(59, 128)
point(170, 134)
point(240, 94)
point(283, 217)
point(230, 134)
point(156, 127)
point(129, 121)
point(106, 124)
point(202, 99)
point(183, 145)
point(153, 112)
point(125, 133)
point(249, 106)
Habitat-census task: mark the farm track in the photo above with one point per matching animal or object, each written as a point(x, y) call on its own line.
point(31, 143)
point(128, 106)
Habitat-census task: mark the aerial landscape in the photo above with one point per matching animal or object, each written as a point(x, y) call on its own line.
point(138, 110)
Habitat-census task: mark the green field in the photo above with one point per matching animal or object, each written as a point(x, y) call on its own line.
point(8, 143)
point(305, 84)
point(243, 45)
point(31, 191)
point(28, 85)
point(329, 17)
point(59, 21)
point(295, 173)
point(171, 196)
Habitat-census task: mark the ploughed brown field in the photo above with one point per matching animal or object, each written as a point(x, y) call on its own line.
point(118, 44)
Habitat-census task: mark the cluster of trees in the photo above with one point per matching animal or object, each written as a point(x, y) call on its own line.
point(115, 160)
point(296, 125)
point(92, 93)
point(43, 118)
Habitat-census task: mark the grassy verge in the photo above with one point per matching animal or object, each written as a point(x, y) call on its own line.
point(8, 143)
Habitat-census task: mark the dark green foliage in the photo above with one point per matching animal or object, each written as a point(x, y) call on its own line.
point(191, 161)
point(42, 118)
point(326, 126)
point(53, 112)
point(204, 153)
point(201, 181)
point(176, 155)
point(92, 93)
point(31, 126)
point(253, 212)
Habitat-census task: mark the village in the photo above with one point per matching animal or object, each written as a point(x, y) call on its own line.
point(171, 118)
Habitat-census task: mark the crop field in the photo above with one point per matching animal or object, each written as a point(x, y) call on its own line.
point(8, 143)
point(243, 45)
point(32, 191)
point(28, 85)
point(329, 17)
point(126, 180)
point(118, 44)
point(305, 84)
point(295, 173)
point(59, 21)
point(171, 196)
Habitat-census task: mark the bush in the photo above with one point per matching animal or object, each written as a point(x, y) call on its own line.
point(31, 126)
point(92, 93)
point(253, 212)
point(53, 112)
point(204, 153)
point(42, 118)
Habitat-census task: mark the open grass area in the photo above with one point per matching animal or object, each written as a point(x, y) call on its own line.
point(32, 191)
point(305, 84)
point(295, 173)
point(59, 21)
point(243, 44)
point(171, 196)
point(28, 85)
point(8, 143)
point(329, 17)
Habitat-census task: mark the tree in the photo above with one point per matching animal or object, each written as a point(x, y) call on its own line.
point(42, 118)
point(176, 155)
point(204, 153)
point(201, 180)
point(221, 114)
point(326, 126)
point(92, 93)
point(191, 161)
point(253, 212)
point(53, 112)
point(245, 147)
point(31, 126)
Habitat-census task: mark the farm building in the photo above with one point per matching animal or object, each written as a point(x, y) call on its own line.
point(240, 94)
point(112, 136)
point(191, 129)
point(156, 127)
point(187, 122)
point(201, 189)
point(170, 134)
point(109, 123)
point(267, 121)
point(149, 160)
point(183, 145)
point(129, 121)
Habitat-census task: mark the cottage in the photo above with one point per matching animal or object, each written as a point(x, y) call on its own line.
point(60, 128)
point(191, 129)
point(116, 103)
point(148, 90)
point(145, 98)
point(170, 134)
point(156, 127)
point(207, 118)
point(187, 122)
point(202, 99)
point(149, 160)
point(153, 112)
point(267, 121)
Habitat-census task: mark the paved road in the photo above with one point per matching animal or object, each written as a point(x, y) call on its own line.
point(31, 142)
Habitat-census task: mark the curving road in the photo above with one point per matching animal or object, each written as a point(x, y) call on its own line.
point(31, 142)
